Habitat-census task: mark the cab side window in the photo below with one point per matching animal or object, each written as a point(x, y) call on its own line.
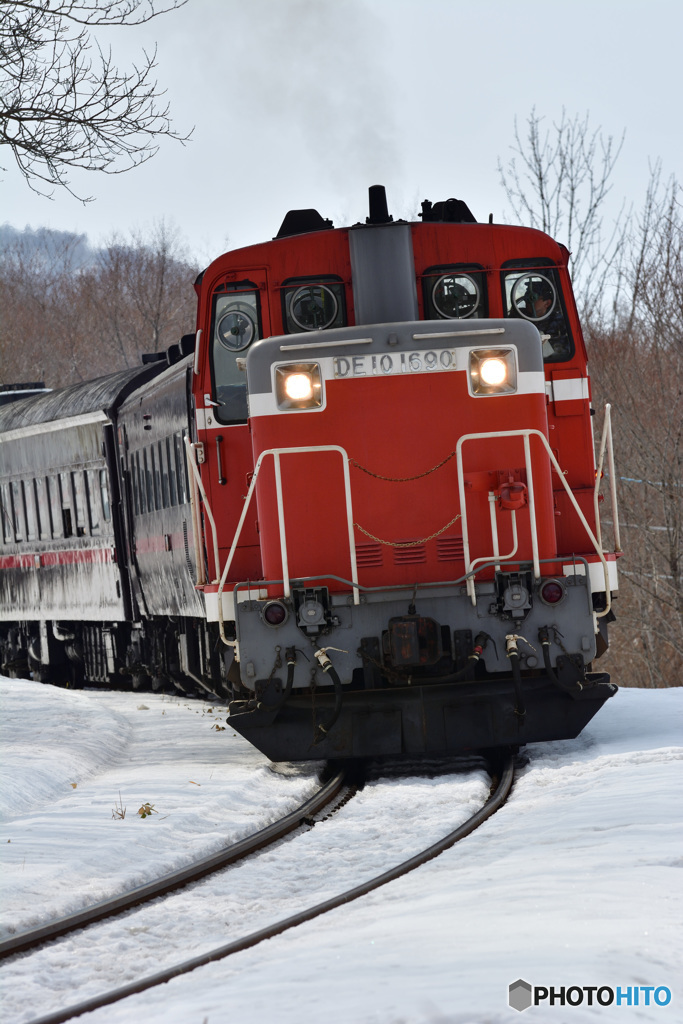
point(236, 325)
point(532, 292)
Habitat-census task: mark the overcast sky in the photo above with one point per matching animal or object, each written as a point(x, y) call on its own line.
point(299, 103)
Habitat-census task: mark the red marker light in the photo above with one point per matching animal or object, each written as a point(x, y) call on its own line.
point(275, 613)
point(552, 592)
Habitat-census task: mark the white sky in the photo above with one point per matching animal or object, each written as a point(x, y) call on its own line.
point(301, 103)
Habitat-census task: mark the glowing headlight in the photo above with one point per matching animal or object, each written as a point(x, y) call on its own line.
point(493, 371)
point(298, 386)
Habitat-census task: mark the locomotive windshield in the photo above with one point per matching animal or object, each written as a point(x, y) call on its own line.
point(455, 293)
point(535, 295)
point(236, 324)
point(313, 304)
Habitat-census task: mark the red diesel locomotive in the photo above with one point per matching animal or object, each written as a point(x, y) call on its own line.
point(362, 503)
point(406, 555)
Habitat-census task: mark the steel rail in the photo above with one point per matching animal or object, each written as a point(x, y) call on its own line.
point(496, 800)
point(176, 879)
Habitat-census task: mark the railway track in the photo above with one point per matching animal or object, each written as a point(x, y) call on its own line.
point(502, 779)
point(306, 814)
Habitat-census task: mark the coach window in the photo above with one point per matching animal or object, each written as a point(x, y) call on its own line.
point(313, 304)
point(55, 506)
point(149, 480)
point(18, 515)
point(181, 470)
point(236, 326)
point(79, 493)
point(135, 483)
point(170, 462)
point(31, 512)
point(163, 472)
point(6, 510)
point(156, 473)
point(43, 508)
point(104, 496)
point(532, 292)
point(93, 502)
point(139, 470)
point(456, 292)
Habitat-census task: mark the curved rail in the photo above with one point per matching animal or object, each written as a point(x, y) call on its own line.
point(497, 798)
point(176, 879)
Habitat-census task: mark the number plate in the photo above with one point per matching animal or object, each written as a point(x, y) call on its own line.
point(395, 362)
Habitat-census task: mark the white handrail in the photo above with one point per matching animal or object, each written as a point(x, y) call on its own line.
point(276, 453)
point(606, 442)
point(526, 434)
point(496, 553)
point(195, 473)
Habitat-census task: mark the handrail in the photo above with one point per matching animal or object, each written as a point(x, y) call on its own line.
point(497, 557)
point(463, 507)
point(277, 453)
point(526, 434)
point(189, 449)
point(196, 524)
point(606, 442)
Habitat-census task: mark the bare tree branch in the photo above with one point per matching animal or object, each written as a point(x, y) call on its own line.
point(557, 181)
point(64, 103)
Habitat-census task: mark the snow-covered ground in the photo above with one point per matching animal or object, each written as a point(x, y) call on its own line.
point(571, 884)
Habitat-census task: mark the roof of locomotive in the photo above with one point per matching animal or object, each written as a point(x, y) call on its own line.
point(103, 393)
point(303, 226)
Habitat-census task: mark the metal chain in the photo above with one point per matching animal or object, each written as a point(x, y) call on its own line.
point(277, 664)
point(558, 639)
point(408, 543)
point(401, 479)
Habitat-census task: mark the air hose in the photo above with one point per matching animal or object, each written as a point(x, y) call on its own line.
point(324, 727)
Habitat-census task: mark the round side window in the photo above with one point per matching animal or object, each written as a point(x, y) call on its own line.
point(533, 296)
point(456, 296)
point(313, 307)
point(236, 329)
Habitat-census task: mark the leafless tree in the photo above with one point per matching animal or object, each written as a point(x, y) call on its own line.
point(64, 103)
point(142, 293)
point(637, 362)
point(629, 284)
point(71, 313)
point(557, 181)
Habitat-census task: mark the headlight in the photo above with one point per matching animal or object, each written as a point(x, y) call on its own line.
point(298, 386)
point(493, 371)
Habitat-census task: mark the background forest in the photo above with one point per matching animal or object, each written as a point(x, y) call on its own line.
point(73, 312)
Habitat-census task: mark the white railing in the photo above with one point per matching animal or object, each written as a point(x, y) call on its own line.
point(197, 488)
point(496, 557)
point(606, 442)
point(470, 564)
point(276, 453)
